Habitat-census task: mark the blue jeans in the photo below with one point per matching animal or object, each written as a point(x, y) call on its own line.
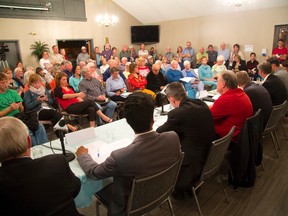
point(109, 111)
point(40, 136)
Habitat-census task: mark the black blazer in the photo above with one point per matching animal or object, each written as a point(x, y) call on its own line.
point(242, 66)
point(260, 99)
point(155, 81)
point(193, 123)
point(44, 186)
point(276, 89)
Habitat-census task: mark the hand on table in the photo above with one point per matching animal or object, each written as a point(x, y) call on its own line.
point(81, 150)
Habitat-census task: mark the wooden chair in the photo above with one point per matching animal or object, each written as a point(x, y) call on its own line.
point(146, 193)
point(213, 162)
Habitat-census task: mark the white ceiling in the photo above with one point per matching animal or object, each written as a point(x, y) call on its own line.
point(154, 11)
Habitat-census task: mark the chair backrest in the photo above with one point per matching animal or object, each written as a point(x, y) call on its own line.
point(149, 192)
point(255, 130)
point(275, 116)
point(216, 155)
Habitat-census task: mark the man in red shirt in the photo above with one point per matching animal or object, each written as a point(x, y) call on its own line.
point(281, 51)
point(232, 107)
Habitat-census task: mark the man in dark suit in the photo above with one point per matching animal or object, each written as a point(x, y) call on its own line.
point(149, 153)
point(273, 84)
point(258, 95)
point(193, 122)
point(44, 186)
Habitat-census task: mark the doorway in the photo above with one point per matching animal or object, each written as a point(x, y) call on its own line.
point(73, 47)
point(9, 54)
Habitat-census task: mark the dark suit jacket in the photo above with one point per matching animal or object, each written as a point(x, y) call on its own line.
point(260, 98)
point(276, 89)
point(193, 123)
point(45, 186)
point(148, 154)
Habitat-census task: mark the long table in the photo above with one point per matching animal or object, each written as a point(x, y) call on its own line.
point(109, 134)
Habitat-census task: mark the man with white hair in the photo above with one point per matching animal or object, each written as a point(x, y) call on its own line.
point(173, 74)
point(189, 72)
point(224, 52)
point(95, 71)
point(83, 56)
point(94, 90)
point(169, 55)
point(112, 63)
point(124, 52)
point(68, 69)
point(219, 67)
point(24, 180)
point(122, 65)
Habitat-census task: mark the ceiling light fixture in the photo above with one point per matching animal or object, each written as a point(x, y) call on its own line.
point(106, 19)
point(235, 3)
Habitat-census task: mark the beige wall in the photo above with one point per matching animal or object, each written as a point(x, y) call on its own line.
point(253, 28)
point(49, 30)
point(246, 28)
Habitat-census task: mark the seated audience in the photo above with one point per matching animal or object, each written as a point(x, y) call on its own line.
point(173, 74)
point(96, 56)
point(95, 73)
point(225, 52)
point(280, 52)
point(142, 68)
point(219, 67)
point(107, 74)
point(252, 66)
point(82, 56)
point(234, 52)
point(143, 52)
point(169, 55)
point(139, 159)
point(11, 105)
point(126, 71)
point(193, 123)
point(63, 53)
point(43, 186)
point(44, 60)
point(41, 74)
point(55, 56)
point(104, 66)
point(125, 52)
point(114, 53)
point(238, 64)
point(122, 65)
point(199, 56)
point(19, 64)
point(179, 53)
point(272, 83)
point(189, 72)
point(137, 82)
point(76, 79)
point(155, 80)
point(115, 85)
point(74, 103)
point(212, 55)
point(54, 73)
point(133, 54)
point(38, 99)
point(257, 94)
point(68, 68)
point(107, 52)
point(165, 65)
point(206, 75)
point(94, 91)
point(232, 108)
point(12, 84)
point(279, 72)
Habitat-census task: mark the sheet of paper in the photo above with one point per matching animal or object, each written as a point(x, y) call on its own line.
point(125, 95)
point(248, 48)
point(98, 150)
point(188, 79)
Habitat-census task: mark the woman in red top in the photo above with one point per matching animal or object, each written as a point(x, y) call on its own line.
point(137, 82)
point(74, 103)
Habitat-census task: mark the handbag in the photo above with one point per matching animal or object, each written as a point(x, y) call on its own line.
point(30, 119)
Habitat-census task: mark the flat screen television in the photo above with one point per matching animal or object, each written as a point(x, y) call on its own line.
point(145, 34)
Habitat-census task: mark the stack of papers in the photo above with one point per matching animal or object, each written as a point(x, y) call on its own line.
point(188, 79)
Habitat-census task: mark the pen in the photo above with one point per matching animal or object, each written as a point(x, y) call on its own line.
point(98, 154)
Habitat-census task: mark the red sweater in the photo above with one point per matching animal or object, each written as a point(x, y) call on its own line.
point(137, 83)
point(231, 109)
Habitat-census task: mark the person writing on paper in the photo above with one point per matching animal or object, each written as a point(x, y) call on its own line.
point(115, 85)
point(139, 159)
point(43, 186)
point(193, 122)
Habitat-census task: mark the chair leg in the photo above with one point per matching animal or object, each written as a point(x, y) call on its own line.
point(197, 202)
point(274, 144)
point(283, 127)
point(97, 208)
point(170, 206)
point(277, 140)
point(223, 185)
